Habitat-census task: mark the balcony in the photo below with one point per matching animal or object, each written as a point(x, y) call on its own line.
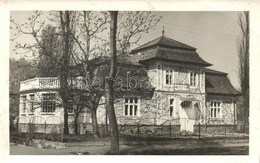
point(50, 83)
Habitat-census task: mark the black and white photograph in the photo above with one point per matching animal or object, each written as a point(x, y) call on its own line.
point(132, 81)
point(129, 82)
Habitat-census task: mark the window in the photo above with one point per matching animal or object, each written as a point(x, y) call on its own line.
point(88, 111)
point(186, 104)
point(171, 107)
point(168, 77)
point(48, 103)
point(23, 104)
point(32, 101)
point(215, 109)
point(193, 79)
point(131, 106)
point(70, 107)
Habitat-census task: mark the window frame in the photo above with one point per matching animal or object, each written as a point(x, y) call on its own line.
point(215, 112)
point(24, 101)
point(135, 104)
point(171, 105)
point(48, 104)
point(32, 101)
point(171, 74)
point(193, 79)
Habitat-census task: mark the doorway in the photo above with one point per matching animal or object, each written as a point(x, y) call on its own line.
point(187, 117)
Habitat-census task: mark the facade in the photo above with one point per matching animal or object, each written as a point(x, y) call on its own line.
point(177, 88)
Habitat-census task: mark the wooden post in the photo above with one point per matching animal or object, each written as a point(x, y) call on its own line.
point(170, 130)
point(138, 132)
point(45, 128)
point(199, 130)
point(101, 131)
point(61, 132)
point(225, 130)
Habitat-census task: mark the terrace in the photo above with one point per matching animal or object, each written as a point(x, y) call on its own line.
point(50, 83)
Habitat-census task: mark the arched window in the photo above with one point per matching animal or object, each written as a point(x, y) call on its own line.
point(186, 104)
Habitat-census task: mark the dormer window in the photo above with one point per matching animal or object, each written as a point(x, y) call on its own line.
point(168, 77)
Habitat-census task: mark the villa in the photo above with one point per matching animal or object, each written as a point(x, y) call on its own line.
point(182, 91)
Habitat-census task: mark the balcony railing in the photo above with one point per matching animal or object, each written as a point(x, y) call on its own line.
point(50, 83)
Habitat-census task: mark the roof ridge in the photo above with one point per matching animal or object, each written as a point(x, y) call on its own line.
point(159, 38)
point(179, 42)
point(212, 71)
point(164, 41)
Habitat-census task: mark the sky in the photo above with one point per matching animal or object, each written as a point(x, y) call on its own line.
point(214, 34)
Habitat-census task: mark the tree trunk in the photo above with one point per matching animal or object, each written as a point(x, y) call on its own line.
point(94, 122)
point(109, 85)
point(76, 131)
point(66, 124)
point(243, 54)
point(65, 25)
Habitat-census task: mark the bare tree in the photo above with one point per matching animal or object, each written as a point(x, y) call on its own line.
point(109, 85)
point(131, 26)
point(243, 55)
point(33, 27)
point(77, 47)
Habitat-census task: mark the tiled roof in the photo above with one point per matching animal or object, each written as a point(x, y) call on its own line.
point(177, 55)
point(168, 49)
point(164, 42)
point(218, 83)
point(210, 71)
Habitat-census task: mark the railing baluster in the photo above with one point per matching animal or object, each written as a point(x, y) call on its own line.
point(48, 82)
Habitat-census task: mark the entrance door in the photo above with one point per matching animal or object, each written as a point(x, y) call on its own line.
point(187, 124)
point(187, 119)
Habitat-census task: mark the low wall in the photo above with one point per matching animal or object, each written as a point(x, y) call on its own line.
point(144, 130)
point(149, 130)
point(84, 128)
point(215, 129)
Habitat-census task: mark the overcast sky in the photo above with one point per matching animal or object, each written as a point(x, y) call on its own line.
point(214, 34)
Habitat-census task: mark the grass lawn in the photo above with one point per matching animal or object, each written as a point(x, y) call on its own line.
point(156, 149)
point(129, 145)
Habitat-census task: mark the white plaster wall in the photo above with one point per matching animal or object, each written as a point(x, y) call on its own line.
point(57, 117)
point(227, 109)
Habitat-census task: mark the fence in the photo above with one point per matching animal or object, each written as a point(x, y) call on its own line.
point(37, 124)
point(214, 130)
point(170, 131)
point(54, 125)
